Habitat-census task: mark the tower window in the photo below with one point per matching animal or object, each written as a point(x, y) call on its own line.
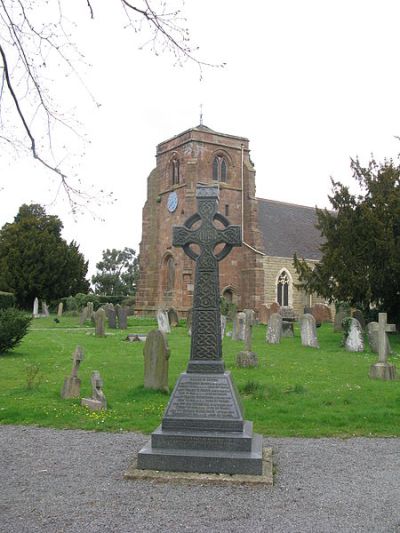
point(175, 171)
point(220, 168)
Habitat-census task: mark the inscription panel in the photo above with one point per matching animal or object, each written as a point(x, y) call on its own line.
point(203, 396)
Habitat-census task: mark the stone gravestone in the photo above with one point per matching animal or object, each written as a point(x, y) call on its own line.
point(358, 315)
point(173, 317)
point(90, 312)
point(72, 384)
point(238, 330)
point(60, 309)
point(84, 316)
point(35, 312)
point(308, 331)
point(288, 320)
point(321, 313)
point(189, 321)
point(274, 330)
point(247, 357)
point(354, 341)
point(122, 316)
point(382, 369)
point(373, 339)
point(156, 354)
point(45, 309)
point(98, 400)
point(223, 325)
point(162, 321)
point(341, 314)
point(100, 319)
point(111, 316)
point(203, 429)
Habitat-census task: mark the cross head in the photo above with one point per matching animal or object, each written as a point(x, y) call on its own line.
point(383, 327)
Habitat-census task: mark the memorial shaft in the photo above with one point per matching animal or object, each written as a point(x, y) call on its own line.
point(206, 350)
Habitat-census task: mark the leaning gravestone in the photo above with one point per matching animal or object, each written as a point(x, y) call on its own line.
point(100, 319)
point(162, 321)
point(373, 338)
point(247, 357)
point(382, 369)
point(35, 312)
point(274, 330)
point(308, 331)
point(173, 317)
point(156, 354)
point(354, 341)
point(98, 400)
point(203, 429)
point(72, 384)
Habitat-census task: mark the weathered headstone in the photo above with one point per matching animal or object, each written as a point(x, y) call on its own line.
point(72, 384)
point(354, 341)
point(238, 330)
point(247, 357)
point(45, 309)
point(358, 315)
point(321, 313)
point(263, 314)
point(173, 317)
point(156, 354)
point(100, 319)
point(223, 325)
point(90, 312)
point(274, 330)
point(341, 314)
point(60, 309)
point(163, 322)
point(382, 369)
point(84, 316)
point(373, 338)
point(111, 316)
point(288, 319)
point(35, 312)
point(122, 312)
point(98, 400)
point(203, 429)
point(308, 331)
point(189, 321)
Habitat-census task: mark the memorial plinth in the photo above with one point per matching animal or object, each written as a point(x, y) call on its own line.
point(203, 429)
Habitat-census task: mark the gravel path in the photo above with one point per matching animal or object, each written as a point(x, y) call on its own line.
point(72, 481)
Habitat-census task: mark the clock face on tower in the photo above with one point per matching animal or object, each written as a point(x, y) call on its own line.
point(172, 202)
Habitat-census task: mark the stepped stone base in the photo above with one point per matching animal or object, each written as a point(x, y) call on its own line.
point(384, 371)
point(203, 431)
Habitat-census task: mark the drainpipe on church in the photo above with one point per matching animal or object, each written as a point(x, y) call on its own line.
point(242, 180)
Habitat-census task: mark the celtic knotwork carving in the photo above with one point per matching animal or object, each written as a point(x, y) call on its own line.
point(206, 335)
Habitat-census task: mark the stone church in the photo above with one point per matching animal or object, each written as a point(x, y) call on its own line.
point(260, 271)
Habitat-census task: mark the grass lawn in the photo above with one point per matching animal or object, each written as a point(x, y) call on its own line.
point(295, 391)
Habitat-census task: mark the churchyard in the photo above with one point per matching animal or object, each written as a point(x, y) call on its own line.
point(295, 390)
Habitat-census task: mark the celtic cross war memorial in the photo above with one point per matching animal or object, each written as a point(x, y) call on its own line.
point(203, 429)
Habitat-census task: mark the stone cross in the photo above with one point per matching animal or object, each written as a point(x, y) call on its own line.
point(98, 400)
point(206, 348)
point(382, 328)
point(72, 384)
point(382, 369)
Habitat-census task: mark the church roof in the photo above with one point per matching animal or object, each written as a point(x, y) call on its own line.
point(289, 228)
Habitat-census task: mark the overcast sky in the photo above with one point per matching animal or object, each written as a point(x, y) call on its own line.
point(309, 83)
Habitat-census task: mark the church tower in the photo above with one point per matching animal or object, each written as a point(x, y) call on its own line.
point(198, 155)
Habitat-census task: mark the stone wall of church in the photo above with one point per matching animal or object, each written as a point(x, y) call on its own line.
point(273, 267)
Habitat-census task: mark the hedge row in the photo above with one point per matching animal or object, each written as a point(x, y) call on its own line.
point(7, 299)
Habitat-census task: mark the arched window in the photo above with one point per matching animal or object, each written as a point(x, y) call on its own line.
point(282, 289)
point(220, 168)
point(170, 273)
point(175, 171)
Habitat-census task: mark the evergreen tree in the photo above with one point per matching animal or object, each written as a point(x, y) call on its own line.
point(361, 252)
point(117, 273)
point(36, 261)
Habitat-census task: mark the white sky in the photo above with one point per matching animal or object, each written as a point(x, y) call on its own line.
point(309, 83)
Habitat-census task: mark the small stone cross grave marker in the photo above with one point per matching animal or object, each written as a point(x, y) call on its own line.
point(382, 369)
point(98, 400)
point(72, 384)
